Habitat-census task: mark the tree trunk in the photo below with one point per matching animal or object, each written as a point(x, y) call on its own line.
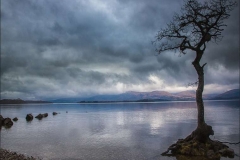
point(203, 130)
point(199, 92)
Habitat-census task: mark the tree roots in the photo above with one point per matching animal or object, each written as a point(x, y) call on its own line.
point(199, 144)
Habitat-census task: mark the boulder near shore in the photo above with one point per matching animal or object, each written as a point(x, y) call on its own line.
point(29, 117)
point(39, 116)
point(15, 119)
point(7, 122)
point(45, 114)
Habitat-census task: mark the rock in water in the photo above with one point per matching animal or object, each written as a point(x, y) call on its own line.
point(29, 117)
point(45, 114)
point(7, 122)
point(15, 119)
point(1, 119)
point(54, 113)
point(39, 116)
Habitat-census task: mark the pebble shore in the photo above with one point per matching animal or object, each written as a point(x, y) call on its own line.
point(9, 155)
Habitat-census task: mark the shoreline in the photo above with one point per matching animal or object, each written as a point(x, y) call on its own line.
point(8, 155)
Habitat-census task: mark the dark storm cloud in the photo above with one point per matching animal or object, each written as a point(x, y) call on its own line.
point(226, 52)
point(82, 47)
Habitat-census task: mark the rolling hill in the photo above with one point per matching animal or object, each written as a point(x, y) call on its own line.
point(232, 94)
point(150, 96)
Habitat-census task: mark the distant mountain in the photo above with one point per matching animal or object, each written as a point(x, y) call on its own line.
point(143, 96)
point(150, 96)
point(209, 96)
point(20, 101)
point(132, 96)
point(186, 95)
point(189, 95)
point(66, 100)
point(232, 94)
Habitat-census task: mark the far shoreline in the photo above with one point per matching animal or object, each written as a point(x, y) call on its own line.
point(114, 102)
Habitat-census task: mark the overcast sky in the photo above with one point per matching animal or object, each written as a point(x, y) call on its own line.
point(75, 48)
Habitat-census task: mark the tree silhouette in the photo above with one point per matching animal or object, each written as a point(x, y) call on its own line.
point(198, 23)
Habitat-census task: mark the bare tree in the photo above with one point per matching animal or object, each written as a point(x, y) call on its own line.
point(198, 23)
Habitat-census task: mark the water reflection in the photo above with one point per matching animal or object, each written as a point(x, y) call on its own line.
point(113, 131)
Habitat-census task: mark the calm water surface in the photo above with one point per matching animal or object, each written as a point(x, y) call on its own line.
point(121, 131)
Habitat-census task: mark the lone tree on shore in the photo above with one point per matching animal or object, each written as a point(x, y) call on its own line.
point(198, 23)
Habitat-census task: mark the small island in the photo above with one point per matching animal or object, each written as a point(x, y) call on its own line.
point(20, 101)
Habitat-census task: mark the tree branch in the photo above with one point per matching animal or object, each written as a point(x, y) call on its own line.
point(204, 65)
point(199, 22)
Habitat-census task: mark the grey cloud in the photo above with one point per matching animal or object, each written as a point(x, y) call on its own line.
point(226, 52)
point(75, 47)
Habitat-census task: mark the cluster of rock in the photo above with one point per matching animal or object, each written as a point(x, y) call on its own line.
point(6, 122)
point(29, 117)
point(210, 149)
point(8, 155)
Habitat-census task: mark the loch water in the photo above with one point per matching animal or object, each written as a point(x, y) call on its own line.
point(109, 131)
